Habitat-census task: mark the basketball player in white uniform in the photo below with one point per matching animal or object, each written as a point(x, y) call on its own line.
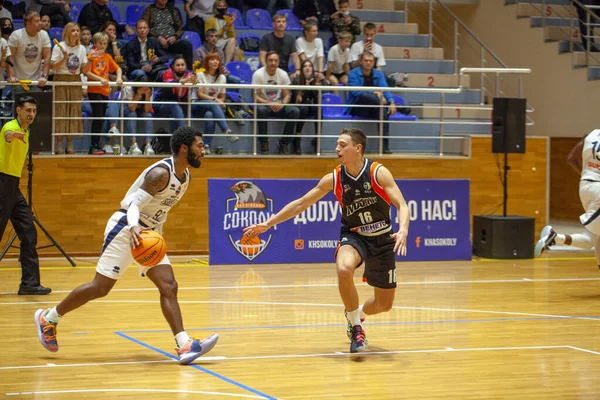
point(145, 206)
point(585, 159)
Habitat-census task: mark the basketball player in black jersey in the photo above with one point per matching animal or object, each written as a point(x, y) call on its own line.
point(365, 190)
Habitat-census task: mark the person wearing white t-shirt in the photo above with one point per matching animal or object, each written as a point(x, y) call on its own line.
point(310, 48)
point(69, 61)
point(367, 44)
point(273, 102)
point(209, 101)
point(29, 46)
point(337, 60)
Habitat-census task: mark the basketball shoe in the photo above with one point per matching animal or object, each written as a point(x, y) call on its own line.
point(359, 339)
point(349, 327)
point(196, 348)
point(547, 239)
point(46, 331)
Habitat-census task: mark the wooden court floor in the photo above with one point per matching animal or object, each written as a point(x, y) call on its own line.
point(525, 329)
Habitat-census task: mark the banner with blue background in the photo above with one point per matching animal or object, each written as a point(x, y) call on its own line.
point(439, 228)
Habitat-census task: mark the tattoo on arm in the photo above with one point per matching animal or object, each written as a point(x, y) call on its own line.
point(156, 180)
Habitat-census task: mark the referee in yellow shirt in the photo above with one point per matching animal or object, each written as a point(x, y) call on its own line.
point(14, 145)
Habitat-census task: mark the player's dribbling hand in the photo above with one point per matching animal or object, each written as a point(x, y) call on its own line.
point(400, 246)
point(136, 238)
point(256, 229)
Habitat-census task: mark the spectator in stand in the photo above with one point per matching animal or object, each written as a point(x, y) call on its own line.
point(5, 53)
point(222, 22)
point(114, 47)
point(165, 25)
point(133, 109)
point(318, 12)
point(307, 101)
point(177, 72)
point(343, 21)
point(273, 102)
point(56, 10)
point(275, 5)
point(6, 27)
point(367, 44)
point(337, 60)
point(583, 28)
point(30, 53)
point(145, 55)
point(86, 38)
point(198, 11)
point(281, 43)
point(45, 23)
point(69, 60)
point(209, 101)
point(367, 75)
point(4, 13)
point(210, 46)
point(95, 14)
point(101, 65)
point(310, 47)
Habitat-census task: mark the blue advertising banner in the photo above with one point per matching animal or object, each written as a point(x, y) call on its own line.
point(439, 228)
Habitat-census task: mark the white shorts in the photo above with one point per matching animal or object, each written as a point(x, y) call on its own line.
point(116, 252)
point(589, 194)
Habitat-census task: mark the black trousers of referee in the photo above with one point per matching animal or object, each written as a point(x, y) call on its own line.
point(13, 207)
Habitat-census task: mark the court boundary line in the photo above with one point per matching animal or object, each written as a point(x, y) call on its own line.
point(32, 393)
point(196, 366)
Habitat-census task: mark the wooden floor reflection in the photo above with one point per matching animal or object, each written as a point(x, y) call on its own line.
point(520, 329)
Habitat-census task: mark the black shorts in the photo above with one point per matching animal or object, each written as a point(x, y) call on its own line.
point(338, 76)
point(377, 252)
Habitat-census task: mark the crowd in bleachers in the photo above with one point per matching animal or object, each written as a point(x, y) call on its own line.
point(92, 42)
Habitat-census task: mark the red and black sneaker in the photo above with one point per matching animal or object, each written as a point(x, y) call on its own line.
point(349, 327)
point(359, 339)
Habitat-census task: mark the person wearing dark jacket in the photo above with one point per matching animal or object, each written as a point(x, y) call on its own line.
point(95, 14)
point(144, 54)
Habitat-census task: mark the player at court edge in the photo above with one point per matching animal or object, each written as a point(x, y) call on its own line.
point(584, 158)
point(145, 206)
point(365, 189)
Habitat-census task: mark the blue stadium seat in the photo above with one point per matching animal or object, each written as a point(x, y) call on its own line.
point(75, 10)
point(193, 38)
point(241, 70)
point(293, 23)
point(55, 33)
point(399, 116)
point(257, 18)
point(239, 22)
point(248, 35)
point(133, 13)
point(333, 108)
point(115, 12)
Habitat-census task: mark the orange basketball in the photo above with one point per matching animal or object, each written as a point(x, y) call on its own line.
point(249, 245)
point(151, 250)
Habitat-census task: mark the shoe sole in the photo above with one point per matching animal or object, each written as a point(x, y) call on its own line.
point(207, 346)
point(39, 331)
point(359, 349)
point(541, 243)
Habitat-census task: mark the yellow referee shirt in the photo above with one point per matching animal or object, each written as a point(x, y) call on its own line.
point(12, 155)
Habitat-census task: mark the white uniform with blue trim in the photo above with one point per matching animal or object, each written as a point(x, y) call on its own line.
point(589, 187)
point(116, 252)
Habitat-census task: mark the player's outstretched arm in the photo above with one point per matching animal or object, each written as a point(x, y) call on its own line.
point(156, 180)
point(385, 179)
point(295, 207)
point(574, 159)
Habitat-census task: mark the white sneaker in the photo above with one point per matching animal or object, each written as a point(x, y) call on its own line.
point(107, 149)
point(230, 137)
point(239, 114)
point(207, 149)
point(134, 149)
point(547, 239)
point(114, 131)
point(148, 150)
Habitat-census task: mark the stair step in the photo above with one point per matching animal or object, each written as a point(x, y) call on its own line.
point(387, 5)
point(419, 66)
point(394, 39)
point(548, 10)
point(436, 80)
point(556, 33)
point(456, 111)
point(578, 59)
point(414, 53)
point(536, 22)
point(467, 96)
point(394, 27)
point(380, 15)
point(552, 2)
point(593, 73)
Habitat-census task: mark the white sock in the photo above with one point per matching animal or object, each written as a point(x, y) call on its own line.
point(560, 238)
point(52, 315)
point(354, 317)
point(182, 338)
point(362, 313)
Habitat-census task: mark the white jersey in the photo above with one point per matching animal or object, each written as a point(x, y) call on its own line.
point(155, 213)
point(590, 157)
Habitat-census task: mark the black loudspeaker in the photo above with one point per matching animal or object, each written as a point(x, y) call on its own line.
point(508, 125)
point(40, 132)
point(495, 236)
